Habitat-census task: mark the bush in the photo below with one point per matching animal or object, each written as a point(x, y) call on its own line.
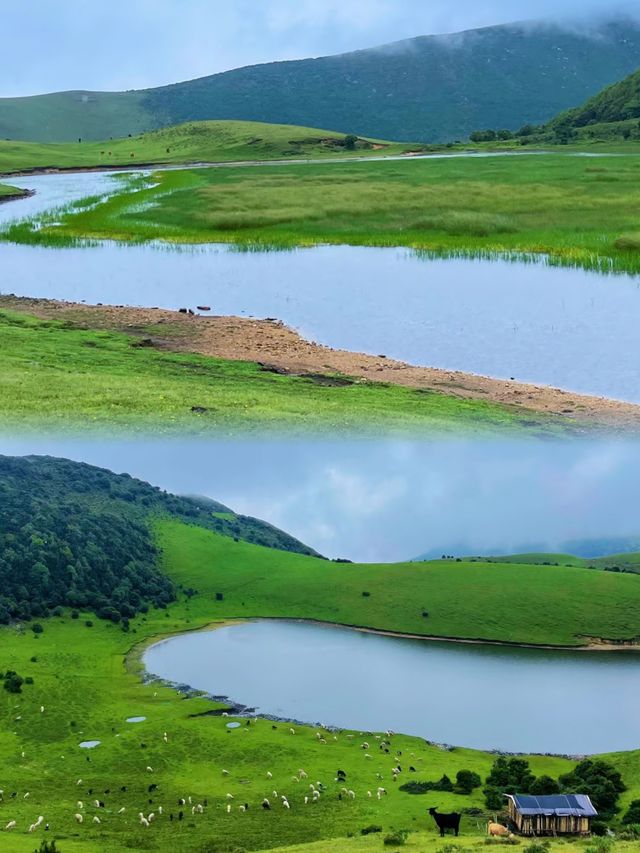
point(396, 838)
point(89, 623)
point(75, 614)
point(630, 833)
point(369, 830)
point(466, 781)
point(544, 785)
point(600, 845)
point(37, 628)
point(538, 847)
point(13, 682)
point(601, 781)
point(632, 815)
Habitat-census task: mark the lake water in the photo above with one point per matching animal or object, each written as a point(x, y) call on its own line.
point(560, 327)
point(486, 697)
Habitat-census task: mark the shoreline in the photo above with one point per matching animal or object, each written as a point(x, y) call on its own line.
point(17, 196)
point(277, 348)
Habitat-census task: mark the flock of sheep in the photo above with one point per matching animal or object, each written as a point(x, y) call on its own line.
point(313, 791)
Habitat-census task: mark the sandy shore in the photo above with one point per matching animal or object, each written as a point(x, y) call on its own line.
point(280, 349)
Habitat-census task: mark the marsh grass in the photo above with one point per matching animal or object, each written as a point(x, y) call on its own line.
point(549, 205)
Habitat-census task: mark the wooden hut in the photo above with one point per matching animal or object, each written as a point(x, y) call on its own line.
point(558, 814)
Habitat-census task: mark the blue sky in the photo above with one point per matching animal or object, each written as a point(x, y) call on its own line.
point(391, 500)
point(51, 45)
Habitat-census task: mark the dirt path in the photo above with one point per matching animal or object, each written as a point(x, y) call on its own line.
point(279, 349)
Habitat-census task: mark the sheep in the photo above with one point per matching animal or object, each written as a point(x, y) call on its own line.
point(306, 800)
point(122, 810)
point(42, 709)
point(285, 803)
point(365, 745)
point(302, 774)
point(199, 808)
point(230, 797)
point(292, 731)
point(79, 818)
point(497, 829)
point(143, 821)
point(79, 782)
point(266, 805)
point(11, 825)
point(96, 819)
point(225, 772)
point(32, 828)
point(39, 821)
point(269, 774)
point(160, 809)
point(242, 808)
point(352, 794)
point(96, 803)
point(228, 808)
point(80, 805)
point(26, 796)
point(149, 769)
point(151, 817)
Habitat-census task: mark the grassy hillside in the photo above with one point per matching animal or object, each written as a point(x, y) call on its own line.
point(194, 142)
point(433, 88)
point(560, 605)
point(87, 682)
point(77, 379)
point(579, 211)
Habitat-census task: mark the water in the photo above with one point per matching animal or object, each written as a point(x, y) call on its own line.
point(135, 719)
point(486, 697)
point(89, 744)
point(561, 327)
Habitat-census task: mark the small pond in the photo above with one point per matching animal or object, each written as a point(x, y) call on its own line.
point(487, 697)
point(89, 744)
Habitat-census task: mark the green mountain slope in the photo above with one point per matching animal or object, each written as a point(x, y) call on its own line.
point(75, 535)
point(432, 88)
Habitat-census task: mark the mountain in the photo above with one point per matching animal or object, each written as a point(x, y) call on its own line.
point(582, 548)
point(426, 89)
point(79, 536)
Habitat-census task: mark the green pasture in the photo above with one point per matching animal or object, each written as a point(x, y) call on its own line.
point(203, 141)
point(505, 602)
point(70, 378)
point(579, 211)
point(87, 681)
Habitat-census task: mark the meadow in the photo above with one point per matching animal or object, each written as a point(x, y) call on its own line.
point(578, 211)
point(87, 680)
point(76, 378)
point(204, 141)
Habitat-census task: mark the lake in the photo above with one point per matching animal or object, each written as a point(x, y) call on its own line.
point(561, 327)
point(485, 697)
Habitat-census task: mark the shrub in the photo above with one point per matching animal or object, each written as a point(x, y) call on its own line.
point(28, 680)
point(13, 682)
point(369, 830)
point(75, 614)
point(544, 785)
point(89, 623)
point(538, 847)
point(600, 845)
point(600, 780)
point(632, 815)
point(37, 628)
point(396, 838)
point(630, 832)
point(466, 781)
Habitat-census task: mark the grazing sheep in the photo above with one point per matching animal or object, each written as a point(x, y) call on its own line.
point(96, 803)
point(79, 818)
point(230, 797)
point(285, 803)
point(498, 830)
point(79, 782)
point(151, 817)
point(80, 805)
point(228, 808)
point(149, 769)
point(182, 801)
point(96, 819)
point(292, 731)
point(225, 772)
point(143, 821)
point(266, 805)
point(39, 822)
point(269, 774)
point(32, 828)
point(242, 808)
point(42, 709)
point(122, 810)
point(11, 825)
point(159, 809)
point(26, 796)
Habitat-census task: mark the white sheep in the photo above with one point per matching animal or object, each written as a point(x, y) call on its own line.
point(228, 808)
point(26, 796)
point(96, 819)
point(149, 769)
point(122, 810)
point(79, 818)
point(285, 803)
point(230, 797)
point(151, 817)
point(11, 825)
point(269, 774)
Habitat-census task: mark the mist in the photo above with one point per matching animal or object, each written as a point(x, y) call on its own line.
point(392, 500)
point(52, 46)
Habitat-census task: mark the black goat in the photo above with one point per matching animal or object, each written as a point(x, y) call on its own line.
point(446, 821)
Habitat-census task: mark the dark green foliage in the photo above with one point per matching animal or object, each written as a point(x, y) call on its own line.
point(369, 830)
point(350, 142)
point(72, 535)
point(600, 780)
point(529, 74)
point(538, 847)
point(12, 682)
point(543, 785)
point(507, 776)
point(632, 814)
point(48, 847)
point(443, 784)
point(466, 781)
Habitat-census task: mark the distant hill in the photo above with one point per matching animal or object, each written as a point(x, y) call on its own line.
point(426, 89)
point(75, 535)
point(601, 547)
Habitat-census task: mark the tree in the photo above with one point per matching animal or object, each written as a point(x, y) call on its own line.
point(632, 814)
point(350, 142)
point(507, 776)
point(544, 785)
point(483, 136)
point(600, 781)
point(466, 781)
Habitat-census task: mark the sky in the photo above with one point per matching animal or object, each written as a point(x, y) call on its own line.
point(391, 500)
point(53, 45)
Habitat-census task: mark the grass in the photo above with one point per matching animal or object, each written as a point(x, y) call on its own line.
point(9, 191)
point(515, 603)
point(205, 141)
point(88, 680)
point(64, 377)
point(577, 211)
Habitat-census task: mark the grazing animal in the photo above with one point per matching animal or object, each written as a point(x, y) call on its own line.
point(149, 769)
point(498, 830)
point(285, 803)
point(266, 805)
point(122, 810)
point(269, 774)
point(79, 818)
point(446, 821)
point(228, 808)
point(96, 819)
point(80, 805)
point(11, 825)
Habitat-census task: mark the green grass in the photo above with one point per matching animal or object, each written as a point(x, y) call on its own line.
point(514, 603)
point(70, 378)
point(89, 683)
point(9, 191)
point(579, 211)
point(206, 141)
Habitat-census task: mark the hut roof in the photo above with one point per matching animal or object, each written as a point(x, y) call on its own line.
point(562, 805)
